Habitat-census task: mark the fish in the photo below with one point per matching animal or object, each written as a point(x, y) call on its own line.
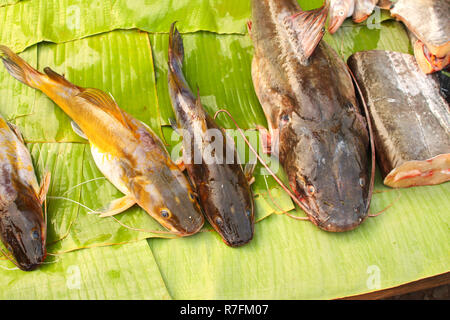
point(313, 113)
point(339, 11)
point(427, 61)
point(223, 189)
point(363, 9)
point(23, 229)
point(385, 4)
point(128, 153)
point(411, 118)
point(428, 21)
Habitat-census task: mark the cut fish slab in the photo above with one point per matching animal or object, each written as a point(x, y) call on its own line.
point(411, 119)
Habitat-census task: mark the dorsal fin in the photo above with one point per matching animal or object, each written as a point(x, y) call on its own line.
point(57, 77)
point(104, 101)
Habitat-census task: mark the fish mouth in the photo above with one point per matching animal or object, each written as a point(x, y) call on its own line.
point(428, 62)
point(184, 231)
point(335, 23)
point(334, 219)
point(361, 18)
point(237, 243)
point(338, 225)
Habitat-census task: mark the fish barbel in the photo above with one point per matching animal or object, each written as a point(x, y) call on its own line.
point(23, 229)
point(127, 152)
point(222, 187)
point(323, 140)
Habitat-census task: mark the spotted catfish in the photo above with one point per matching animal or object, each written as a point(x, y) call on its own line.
point(23, 228)
point(310, 101)
point(222, 186)
point(125, 150)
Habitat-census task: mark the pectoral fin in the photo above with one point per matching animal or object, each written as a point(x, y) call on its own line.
point(249, 169)
point(45, 185)
point(78, 130)
point(16, 131)
point(117, 206)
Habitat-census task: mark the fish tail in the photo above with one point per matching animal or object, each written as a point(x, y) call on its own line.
point(176, 49)
point(177, 81)
point(19, 69)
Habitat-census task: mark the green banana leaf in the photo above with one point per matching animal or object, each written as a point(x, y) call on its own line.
point(294, 258)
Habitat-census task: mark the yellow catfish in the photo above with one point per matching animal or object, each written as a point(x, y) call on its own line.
point(127, 152)
point(23, 228)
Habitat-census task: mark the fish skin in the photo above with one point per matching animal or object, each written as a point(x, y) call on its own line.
point(411, 119)
point(125, 150)
point(323, 140)
point(363, 9)
point(339, 11)
point(22, 226)
point(223, 190)
point(428, 20)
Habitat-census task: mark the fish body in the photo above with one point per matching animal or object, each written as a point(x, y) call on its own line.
point(429, 21)
point(323, 139)
point(339, 11)
point(410, 117)
point(22, 226)
point(125, 150)
point(221, 184)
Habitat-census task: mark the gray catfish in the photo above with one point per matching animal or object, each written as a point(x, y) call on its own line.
point(222, 186)
point(309, 98)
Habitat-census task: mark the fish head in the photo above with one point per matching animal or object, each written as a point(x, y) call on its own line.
point(329, 175)
point(339, 11)
point(23, 230)
point(170, 200)
point(427, 61)
point(229, 209)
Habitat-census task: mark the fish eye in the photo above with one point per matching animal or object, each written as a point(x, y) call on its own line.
point(285, 117)
point(362, 182)
point(35, 235)
point(219, 221)
point(311, 190)
point(341, 13)
point(165, 213)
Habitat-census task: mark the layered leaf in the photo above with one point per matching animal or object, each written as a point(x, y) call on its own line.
point(116, 272)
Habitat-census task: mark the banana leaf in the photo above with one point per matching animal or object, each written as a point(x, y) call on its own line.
point(294, 259)
point(114, 272)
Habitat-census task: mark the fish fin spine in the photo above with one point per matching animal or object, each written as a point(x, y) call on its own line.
point(44, 187)
point(58, 78)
